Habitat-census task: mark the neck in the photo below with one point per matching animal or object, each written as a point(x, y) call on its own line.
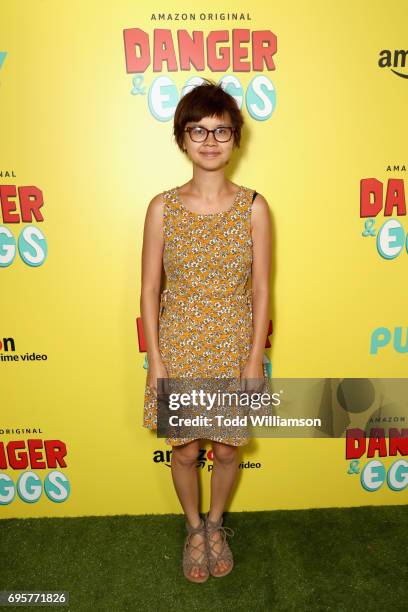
point(208, 184)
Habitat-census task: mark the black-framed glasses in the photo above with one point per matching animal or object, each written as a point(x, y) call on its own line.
point(200, 134)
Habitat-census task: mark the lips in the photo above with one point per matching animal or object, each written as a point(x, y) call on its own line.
point(209, 154)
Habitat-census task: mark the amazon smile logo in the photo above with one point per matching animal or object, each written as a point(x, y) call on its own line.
point(394, 60)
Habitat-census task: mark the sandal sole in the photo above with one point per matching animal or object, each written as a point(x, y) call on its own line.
point(222, 575)
point(196, 580)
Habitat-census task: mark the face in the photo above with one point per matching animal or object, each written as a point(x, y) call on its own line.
point(209, 154)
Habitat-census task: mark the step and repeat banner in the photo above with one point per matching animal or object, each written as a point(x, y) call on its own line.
point(87, 96)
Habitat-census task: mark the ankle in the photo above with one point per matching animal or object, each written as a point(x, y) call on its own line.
point(213, 517)
point(195, 522)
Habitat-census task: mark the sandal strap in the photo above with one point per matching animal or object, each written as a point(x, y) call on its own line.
point(212, 526)
point(224, 532)
point(188, 560)
point(225, 553)
point(191, 530)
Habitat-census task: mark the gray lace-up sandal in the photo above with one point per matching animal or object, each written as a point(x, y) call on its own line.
point(225, 554)
point(188, 560)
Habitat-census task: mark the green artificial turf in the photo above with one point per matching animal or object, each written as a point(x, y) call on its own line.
point(336, 559)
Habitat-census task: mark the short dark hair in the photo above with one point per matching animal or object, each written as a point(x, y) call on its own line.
point(206, 100)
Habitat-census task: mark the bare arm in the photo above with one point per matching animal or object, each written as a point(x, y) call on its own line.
point(261, 266)
point(152, 261)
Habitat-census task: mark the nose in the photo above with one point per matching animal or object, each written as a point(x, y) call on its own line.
point(212, 137)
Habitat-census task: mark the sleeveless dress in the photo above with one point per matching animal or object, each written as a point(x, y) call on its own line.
point(205, 313)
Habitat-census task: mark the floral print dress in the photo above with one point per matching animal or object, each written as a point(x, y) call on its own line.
point(205, 314)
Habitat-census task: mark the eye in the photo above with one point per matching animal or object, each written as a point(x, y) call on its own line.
point(198, 130)
point(221, 131)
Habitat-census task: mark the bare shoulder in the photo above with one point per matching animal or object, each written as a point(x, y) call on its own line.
point(156, 203)
point(260, 211)
point(260, 204)
point(154, 212)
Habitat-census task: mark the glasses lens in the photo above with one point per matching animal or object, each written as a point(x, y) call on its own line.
point(223, 134)
point(198, 134)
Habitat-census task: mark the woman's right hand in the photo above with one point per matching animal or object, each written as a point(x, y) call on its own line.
point(154, 371)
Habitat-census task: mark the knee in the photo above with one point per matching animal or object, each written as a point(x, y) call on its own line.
point(186, 455)
point(225, 454)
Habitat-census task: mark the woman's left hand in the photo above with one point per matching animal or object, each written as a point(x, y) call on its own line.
point(252, 375)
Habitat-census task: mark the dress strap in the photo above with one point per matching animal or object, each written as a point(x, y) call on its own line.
point(170, 200)
point(166, 201)
point(171, 212)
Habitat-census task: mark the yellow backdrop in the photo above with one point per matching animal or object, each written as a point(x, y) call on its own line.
point(74, 125)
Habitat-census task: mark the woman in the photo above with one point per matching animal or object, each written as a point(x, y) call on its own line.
point(212, 236)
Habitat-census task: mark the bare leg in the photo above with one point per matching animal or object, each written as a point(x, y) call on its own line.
point(185, 479)
point(223, 476)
